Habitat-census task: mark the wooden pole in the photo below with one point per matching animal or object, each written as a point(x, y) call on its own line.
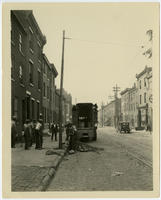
point(60, 97)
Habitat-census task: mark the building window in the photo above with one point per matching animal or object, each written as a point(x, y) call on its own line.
point(31, 72)
point(39, 55)
point(44, 67)
point(20, 43)
point(33, 109)
point(12, 65)
point(31, 44)
point(144, 82)
point(144, 97)
point(15, 107)
point(48, 73)
point(44, 88)
point(48, 92)
point(140, 84)
point(38, 110)
point(13, 34)
point(140, 99)
point(39, 80)
point(21, 74)
point(45, 115)
point(28, 107)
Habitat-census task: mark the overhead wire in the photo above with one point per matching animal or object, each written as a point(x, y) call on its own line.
point(105, 42)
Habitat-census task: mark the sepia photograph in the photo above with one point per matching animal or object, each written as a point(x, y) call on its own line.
point(80, 99)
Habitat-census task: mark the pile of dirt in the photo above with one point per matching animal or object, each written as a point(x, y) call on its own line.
point(52, 152)
point(83, 147)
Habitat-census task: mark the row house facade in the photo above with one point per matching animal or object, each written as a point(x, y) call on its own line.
point(129, 105)
point(144, 85)
point(101, 116)
point(33, 90)
point(138, 108)
point(150, 99)
point(49, 75)
point(136, 102)
point(110, 114)
point(27, 42)
point(66, 106)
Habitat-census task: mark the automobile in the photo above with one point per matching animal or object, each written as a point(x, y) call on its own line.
point(124, 126)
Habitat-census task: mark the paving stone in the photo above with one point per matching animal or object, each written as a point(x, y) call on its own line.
point(31, 169)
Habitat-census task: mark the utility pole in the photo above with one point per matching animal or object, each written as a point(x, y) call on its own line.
point(61, 90)
point(116, 89)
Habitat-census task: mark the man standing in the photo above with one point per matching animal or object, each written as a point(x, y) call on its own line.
point(67, 131)
point(52, 130)
point(41, 133)
point(37, 134)
point(33, 130)
point(27, 134)
point(13, 132)
point(73, 137)
point(56, 131)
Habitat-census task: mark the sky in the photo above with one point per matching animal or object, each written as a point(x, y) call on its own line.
point(104, 49)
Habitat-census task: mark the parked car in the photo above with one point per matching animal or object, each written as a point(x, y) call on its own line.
point(124, 126)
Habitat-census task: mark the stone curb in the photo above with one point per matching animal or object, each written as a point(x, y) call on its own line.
point(51, 172)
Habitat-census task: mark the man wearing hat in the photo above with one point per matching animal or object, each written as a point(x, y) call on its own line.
point(39, 134)
point(27, 134)
point(13, 132)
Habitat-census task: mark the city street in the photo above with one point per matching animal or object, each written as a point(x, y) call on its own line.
point(123, 162)
point(83, 111)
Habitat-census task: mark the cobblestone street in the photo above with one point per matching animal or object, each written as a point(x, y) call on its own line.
point(29, 168)
point(114, 168)
point(27, 178)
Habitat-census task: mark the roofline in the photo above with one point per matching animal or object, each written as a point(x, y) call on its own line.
point(146, 69)
point(54, 69)
point(38, 28)
point(124, 91)
point(14, 13)
point(46, 59)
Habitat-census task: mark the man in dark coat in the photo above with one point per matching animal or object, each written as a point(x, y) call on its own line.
point(67, 126)
point(37, 134)
point(27, 134)
point(54, 130)
point(41, 133)
point(33, 130)
point(13, 132)
point(72, 137)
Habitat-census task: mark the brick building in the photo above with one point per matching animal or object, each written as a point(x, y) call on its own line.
point(49, 75)
point(52, 93)
point(57, 96)
point(27, 43)
point(33, 89)
point(66, 106)
point(107, 113)
point(142, 85)
point(129, 105)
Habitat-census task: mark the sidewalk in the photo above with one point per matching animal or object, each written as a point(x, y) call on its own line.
point(32, 169)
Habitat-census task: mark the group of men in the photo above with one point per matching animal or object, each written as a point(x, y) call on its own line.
point(33, 133)
point(70, 134)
